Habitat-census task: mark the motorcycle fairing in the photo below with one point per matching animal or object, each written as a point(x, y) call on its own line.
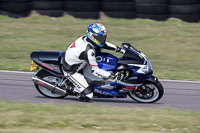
point(100, 93)
point(107, 61)
point(51, 61)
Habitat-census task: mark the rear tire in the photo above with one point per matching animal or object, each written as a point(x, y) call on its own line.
point(150, 97)
point(45, 92)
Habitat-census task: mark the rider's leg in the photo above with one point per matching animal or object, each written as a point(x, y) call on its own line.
point(81, 85)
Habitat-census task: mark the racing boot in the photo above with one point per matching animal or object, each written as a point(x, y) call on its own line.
point(86, 95)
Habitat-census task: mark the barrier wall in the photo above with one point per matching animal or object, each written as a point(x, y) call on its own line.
point(187, 10)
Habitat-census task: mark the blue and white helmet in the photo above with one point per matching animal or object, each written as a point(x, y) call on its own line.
point(97, 33)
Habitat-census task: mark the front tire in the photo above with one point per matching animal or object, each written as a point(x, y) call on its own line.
point(148, 93)
point(50, 78)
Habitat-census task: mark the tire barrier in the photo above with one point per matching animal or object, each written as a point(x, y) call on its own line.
point(152, 1)
point(183, 2)
point(118, 8)
point(82, 9)
point(159, 17)
point(51, 13)
point(186, 10)
point(85, 15)
point(120, 14)
point(16, 8)
point(152, 9)
point(52, 8)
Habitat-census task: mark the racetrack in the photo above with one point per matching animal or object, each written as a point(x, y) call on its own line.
point(17, 86)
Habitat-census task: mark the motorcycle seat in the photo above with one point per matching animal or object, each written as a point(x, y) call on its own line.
point(50, 57)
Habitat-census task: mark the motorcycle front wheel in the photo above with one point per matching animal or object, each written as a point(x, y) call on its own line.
point(51, 79)
point(147, 93)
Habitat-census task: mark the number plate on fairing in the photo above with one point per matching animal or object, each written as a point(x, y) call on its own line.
point(33, 66)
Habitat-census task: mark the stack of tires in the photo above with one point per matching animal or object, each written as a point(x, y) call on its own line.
point(186, 10)
point(52, 8)
point(82, 8)
point(118, 8)
point(152, 9)
point(16, 8)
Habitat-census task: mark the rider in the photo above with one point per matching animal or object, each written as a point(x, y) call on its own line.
point(83, 51)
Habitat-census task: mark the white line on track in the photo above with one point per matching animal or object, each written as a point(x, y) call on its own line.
point(181, 81)
point(6, 71)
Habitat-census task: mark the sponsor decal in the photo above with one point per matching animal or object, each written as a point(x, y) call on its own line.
point(73, 45)
point(75, 84)
point(103, 92)
point(93, 65)
point(140, 56)
point(41, 83)
point(91, 35)
point(45, 65)
point(97, 42)
point(131, 88)
point(99, 59)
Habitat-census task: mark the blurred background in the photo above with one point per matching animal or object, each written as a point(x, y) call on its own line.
point(187, 10)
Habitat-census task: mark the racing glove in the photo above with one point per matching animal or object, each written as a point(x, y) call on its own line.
point(120, 50)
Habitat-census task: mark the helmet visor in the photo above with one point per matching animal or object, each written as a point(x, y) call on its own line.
point(101, 39)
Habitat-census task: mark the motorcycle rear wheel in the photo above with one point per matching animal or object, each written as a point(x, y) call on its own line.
point(150, 94)
point(50, 78)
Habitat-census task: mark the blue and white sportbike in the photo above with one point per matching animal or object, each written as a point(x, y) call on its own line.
point(136, 79)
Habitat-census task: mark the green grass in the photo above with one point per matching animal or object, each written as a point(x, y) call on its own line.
point(173, 46)
point(47, 118)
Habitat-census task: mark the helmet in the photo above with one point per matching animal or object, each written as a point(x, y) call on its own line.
point(97, 33)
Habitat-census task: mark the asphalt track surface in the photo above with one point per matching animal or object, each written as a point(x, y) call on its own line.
point(17, 86)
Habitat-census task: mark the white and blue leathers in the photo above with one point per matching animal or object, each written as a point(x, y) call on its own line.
point(79, 53)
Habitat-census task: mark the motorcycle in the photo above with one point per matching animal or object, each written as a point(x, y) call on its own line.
point(135, 69)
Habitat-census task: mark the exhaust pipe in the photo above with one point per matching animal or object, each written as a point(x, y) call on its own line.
point(48, 86)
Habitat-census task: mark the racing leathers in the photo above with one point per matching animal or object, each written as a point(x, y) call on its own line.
point(79, 53)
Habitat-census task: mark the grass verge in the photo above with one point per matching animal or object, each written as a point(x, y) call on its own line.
point(49, 118)
point(173, 46)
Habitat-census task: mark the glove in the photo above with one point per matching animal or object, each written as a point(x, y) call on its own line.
point(120, 50)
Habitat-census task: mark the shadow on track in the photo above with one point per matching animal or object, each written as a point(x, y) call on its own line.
point(99, 100)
